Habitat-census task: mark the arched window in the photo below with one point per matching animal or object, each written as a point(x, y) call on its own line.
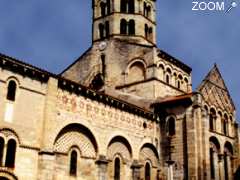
point(117, 169)
point(144, 9)
point(11, 152)
point(12, 87)
point(213, 156)
point(108, 7)
point(148, 9)
point(73, 163)
point(107, 29)
point(131, 6)
point(212, 120)
point(103, 8)
point(101, 30)
point(167, 79)
point(147, 171)
point(131, 29)
point(225, 125)
point(212, 165)
point(171, 126)
point(178, 84)
point(1, 150)
point(124, 6)
point(123, 26)
point(146, 31)
point(228, 152)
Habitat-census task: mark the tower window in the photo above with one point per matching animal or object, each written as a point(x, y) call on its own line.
point(147, 171)
point(1, 150)
point(124, 6)
point(117, 169)
point(146, 31)
point(73, 163)
point(101, 31)
point(103, 8)
point(107, 29)
point(131, 29)
point(12, 86)
point(108, 7)
point(123, 27)
point(11, 152)
point(131, 7)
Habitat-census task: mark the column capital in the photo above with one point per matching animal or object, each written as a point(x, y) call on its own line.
point(220, 157)
point(102, 160)
point(136, 165)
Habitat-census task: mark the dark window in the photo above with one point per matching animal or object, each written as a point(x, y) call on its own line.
point(167, 79)
point(146, 31)
point(73, 163)
point(12, 86)
point(103, 65)
point(211, 122)
point(123, 27)
point(178, 84)
point(11, 152)
point(101, 31)
point(124, 6)
point(131, 7)
point(117, 169)
point(108, 7)
point(144, 9)
point(148, 9)
point(103, 8)
point(1, 150)
point(131, 29)
point(147, 171)
point(171, 126)
point(226, 166)
point(212, 163)
point(107, 29)
point(225, 124)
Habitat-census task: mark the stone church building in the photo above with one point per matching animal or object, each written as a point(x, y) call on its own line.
point(124, 110)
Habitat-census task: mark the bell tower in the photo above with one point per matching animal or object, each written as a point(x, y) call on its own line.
point(129, 20)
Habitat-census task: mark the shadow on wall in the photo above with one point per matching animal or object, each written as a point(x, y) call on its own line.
point(237, 174)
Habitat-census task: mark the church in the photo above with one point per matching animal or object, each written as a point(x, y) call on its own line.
point(124, 110)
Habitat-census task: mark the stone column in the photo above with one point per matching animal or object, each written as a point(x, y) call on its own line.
point(136, 170)
point(221, 167)
point(102, 163)
point(216, 167)
point(170, 169)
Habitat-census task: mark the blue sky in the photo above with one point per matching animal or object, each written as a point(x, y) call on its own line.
point(52, 34)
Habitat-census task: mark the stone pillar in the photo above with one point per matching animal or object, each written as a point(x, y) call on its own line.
point(46, 166)
point(229, 164)
point(102, 163)
point(221, 167)
point(216, 168)
point(170, 169)
point(136, 170)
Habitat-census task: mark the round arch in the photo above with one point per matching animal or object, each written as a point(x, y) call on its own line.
point(5, 175)
point(76, 135)
point(215, 143)
point(228, 148)
point(121, 146)
point(148, 152)
point(133, 61)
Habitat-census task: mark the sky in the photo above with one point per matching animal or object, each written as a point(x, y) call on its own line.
point(52, 34)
